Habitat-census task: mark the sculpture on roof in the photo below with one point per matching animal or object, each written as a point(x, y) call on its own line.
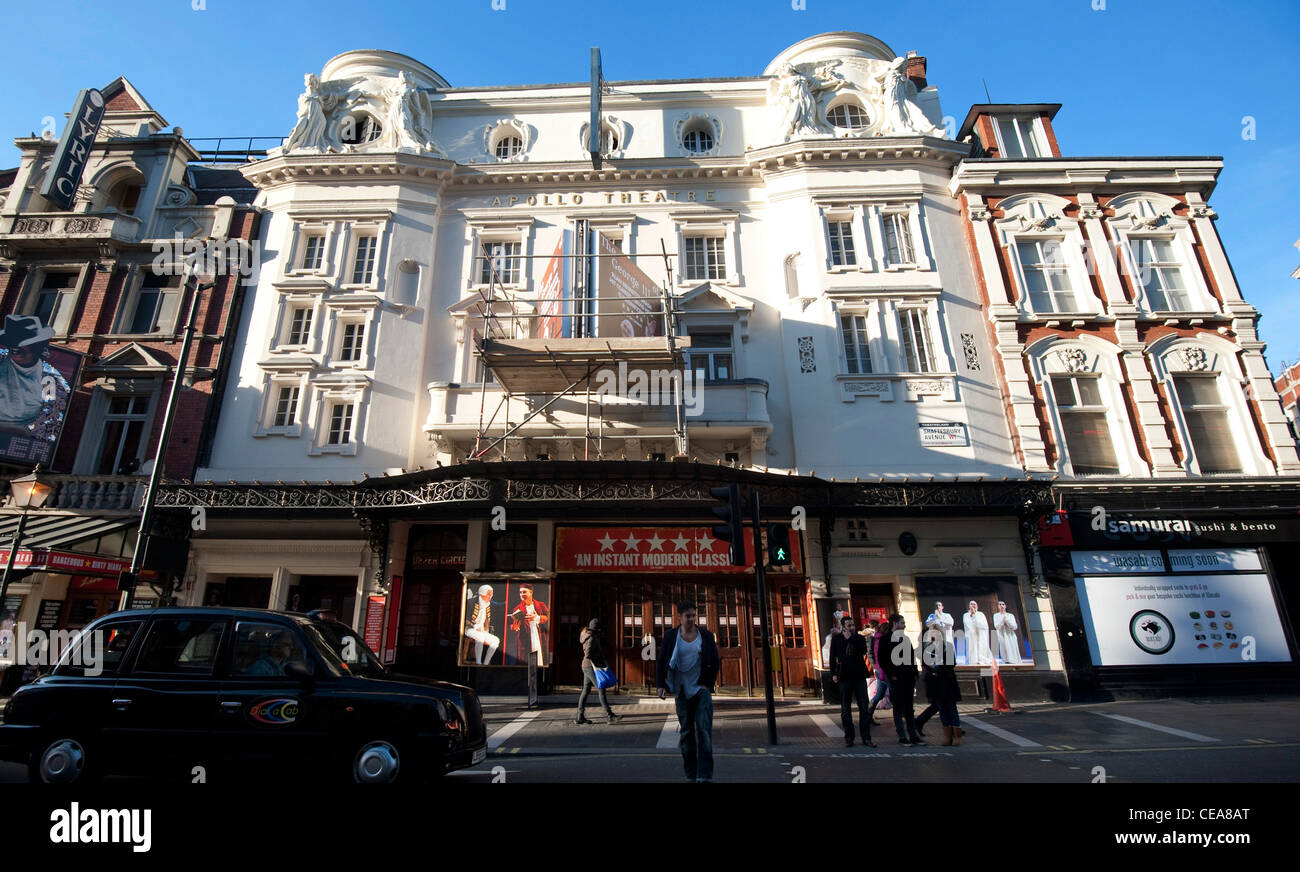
point(310, 131)
point(800, 91)
point(409, 118)
point(902, 117)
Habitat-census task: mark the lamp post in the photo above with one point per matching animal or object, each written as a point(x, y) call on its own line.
point(29, 492)
point(130, 578)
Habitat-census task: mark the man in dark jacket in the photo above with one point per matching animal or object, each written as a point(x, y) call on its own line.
point(849, 672)
point(593, 656)
point(688, 666)
point(898, 659)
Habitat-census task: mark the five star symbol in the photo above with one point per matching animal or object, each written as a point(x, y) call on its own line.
point(656, 543)
point(607, 542)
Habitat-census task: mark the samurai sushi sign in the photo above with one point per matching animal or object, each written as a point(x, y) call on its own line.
point(651, 549)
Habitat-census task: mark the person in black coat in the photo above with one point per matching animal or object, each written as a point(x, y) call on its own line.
point(898, 659)
point(849, 671)
point(938, 662)
point(593, 656)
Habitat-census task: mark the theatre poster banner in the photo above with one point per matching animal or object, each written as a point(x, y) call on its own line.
point(655, 549)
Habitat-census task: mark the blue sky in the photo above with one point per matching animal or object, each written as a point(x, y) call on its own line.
point(1157, 77)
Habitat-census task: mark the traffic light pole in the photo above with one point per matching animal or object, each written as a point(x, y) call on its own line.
point(763, 628)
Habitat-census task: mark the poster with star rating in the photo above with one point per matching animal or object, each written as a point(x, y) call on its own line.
point(651, 549)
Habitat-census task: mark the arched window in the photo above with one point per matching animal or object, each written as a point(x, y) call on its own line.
point(698, 140)
point(508, 146)
point(848, 116)
point(359, 128)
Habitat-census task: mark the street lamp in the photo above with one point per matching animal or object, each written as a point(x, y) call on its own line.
point(29, 492)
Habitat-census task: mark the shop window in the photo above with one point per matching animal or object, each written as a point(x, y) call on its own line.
point(997, 639)
point(512, 550)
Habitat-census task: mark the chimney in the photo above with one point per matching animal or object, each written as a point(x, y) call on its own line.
point(915, 70)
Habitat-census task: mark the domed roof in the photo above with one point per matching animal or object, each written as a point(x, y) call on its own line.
point(827, 46)
point(377, 62)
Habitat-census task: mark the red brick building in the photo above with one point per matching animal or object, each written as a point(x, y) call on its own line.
point(101, 288)
point(1132, 370)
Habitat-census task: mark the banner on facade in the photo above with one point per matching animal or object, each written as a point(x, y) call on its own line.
point(550, 297)
point(1181, 620)
point(505, 623)
point(1180, 529)
point(36, 383)
point(655, 549)
point(630, 303)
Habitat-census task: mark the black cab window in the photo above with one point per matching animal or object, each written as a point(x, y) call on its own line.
point(181, 646)
point(264, 650)
point(97, 651)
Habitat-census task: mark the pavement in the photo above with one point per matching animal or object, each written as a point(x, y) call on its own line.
point(1227, 740)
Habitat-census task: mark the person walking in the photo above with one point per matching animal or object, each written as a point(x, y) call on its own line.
point(898, 658)
point(882, 633)
point(849, 672)
point(593, 657)
point(939, 663)
point(688, 666)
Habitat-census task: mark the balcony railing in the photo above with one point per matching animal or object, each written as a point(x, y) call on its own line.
point(99, 493)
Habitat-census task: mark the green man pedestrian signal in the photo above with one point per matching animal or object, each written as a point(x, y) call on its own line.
point(734, 529)
point(778, 544)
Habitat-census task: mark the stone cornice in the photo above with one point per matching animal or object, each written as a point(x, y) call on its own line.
point(803, 153)
point(325, 168)
point(994, 176)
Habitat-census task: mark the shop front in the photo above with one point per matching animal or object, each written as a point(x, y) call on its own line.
point(633, 577)
point(1175, 600)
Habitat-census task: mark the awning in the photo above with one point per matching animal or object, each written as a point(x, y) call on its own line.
point(60, 531)
point(47, 538)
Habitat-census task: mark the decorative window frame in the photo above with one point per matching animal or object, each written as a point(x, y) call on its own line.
point(875, 218)
point(36, 278)
point(884, 342)
point(613, 124)
point(1039, 133)
point(131, 298)
point(693, 120)
point(332, 390)
point(351, 310)
point(289, 375)
point(704, 224)
point(357, 226)
point(729, 324)
point(1087, 355)
point(289, 301)
point(621, 227)
point(105, 389)
point(1041, 218)
point(497, 228)
point(1145, 215)
point(300, 229)
point(1206, 354)
point(865, 251)
point(500, 129)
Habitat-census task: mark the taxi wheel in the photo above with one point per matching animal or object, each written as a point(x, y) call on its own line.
point(377, 762)
point(62, 761)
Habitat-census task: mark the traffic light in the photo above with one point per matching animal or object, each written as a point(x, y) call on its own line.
point(778, 544)
point(734, 530)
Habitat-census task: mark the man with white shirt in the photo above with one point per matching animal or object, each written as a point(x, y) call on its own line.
point(688, 666)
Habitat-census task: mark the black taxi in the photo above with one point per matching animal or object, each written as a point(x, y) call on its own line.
point(205, 694)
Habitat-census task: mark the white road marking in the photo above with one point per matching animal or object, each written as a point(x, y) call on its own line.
point(1000, 733)
point(1196, 737)
point(829, 727)
point(668, 738)
point(496, 739)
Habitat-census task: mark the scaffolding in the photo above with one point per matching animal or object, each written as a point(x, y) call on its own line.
point(525, 366)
